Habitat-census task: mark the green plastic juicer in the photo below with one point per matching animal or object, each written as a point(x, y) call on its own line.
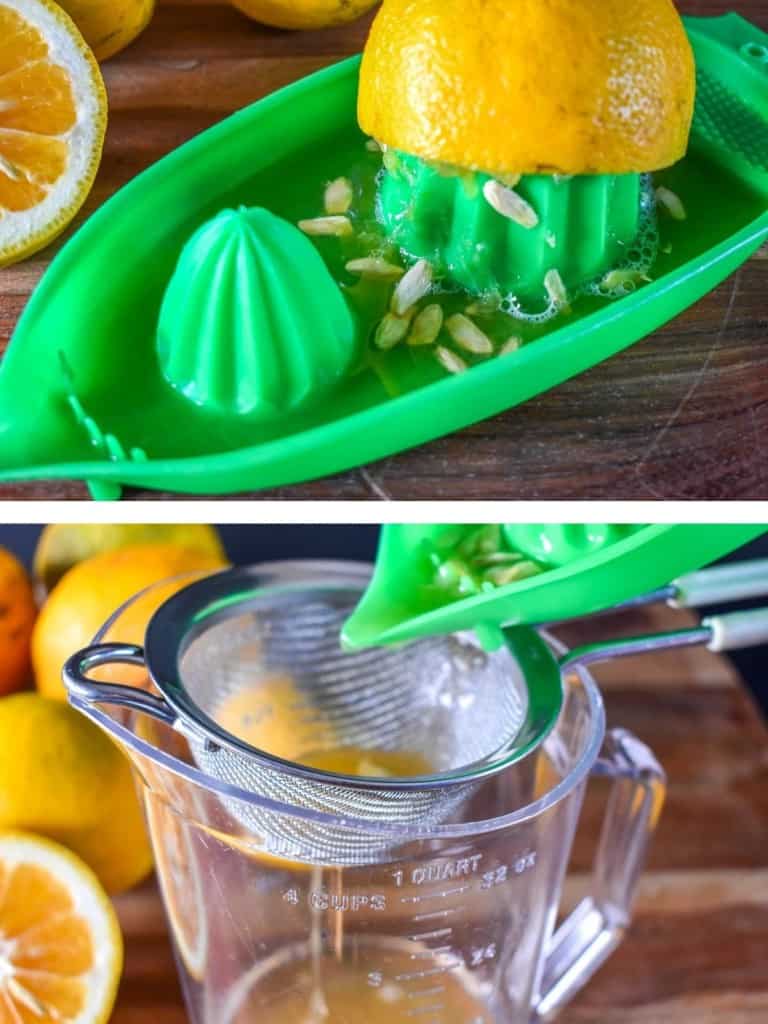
point(434, 579)
point(225, 352)
point(578, 226)
point(499, 580)
point(248, 290)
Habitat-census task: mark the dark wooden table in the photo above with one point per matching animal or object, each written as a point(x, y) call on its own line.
point(623, 430)
point(697, 950)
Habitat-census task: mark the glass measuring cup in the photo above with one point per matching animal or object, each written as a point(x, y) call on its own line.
point(449, 924)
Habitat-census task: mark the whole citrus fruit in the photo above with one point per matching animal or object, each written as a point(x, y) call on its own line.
point(303, 14)
point(89, 593)
point(17, 616)
point(528, 87)
point(108, 26)
point(62, 777)
point(53, 115)
point(62, 545)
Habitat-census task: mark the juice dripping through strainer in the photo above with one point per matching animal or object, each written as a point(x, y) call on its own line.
point(274, 717)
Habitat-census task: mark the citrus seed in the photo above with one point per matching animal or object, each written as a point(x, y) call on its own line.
point(374, 266)
point(413, 286)
point(338, 196)
point(391, 331)
point(511, 345)
point(449, 360)
point(553, 283)
point(501, 576)
point(671, 202)
point(427, 326)
point(509, 204)
point(468, 335)
point(340, 227)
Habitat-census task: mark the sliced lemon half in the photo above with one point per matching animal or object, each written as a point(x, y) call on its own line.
point(61, 952)
point(53, 115)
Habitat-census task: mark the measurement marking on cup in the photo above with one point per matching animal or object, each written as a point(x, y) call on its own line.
point(433, 914)
point(439, 871)
point(437, 934)
point(425, 993)
point(429, 953)
point(417, 1010)
point(435, 895)
point(432, 972)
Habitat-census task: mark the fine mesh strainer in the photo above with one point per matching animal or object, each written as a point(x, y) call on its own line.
point(273, 634)
point(472, 713)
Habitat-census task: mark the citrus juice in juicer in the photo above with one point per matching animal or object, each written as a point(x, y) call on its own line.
point(301, 887)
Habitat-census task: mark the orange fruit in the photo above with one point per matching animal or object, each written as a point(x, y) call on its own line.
point(528, 87)
point(92, 590)
point(62, 777)
point(17, 616)
point(61, 953)
point(108, 26)
point(303, 14)
point(62, 545)
point(52, 121)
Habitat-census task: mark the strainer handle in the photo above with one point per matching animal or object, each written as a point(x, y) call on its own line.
point(595, 928)
point(90, 691)
point(734, 581)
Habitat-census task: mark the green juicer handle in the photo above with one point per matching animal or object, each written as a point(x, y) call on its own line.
point(402, 603)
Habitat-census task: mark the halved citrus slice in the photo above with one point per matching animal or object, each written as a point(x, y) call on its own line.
point(61, 952)
point(52, 121)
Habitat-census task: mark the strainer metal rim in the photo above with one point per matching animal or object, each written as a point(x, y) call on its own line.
point(586, 761)
point(171, 629)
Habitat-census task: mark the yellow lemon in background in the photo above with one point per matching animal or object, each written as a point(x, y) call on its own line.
point(92, 590)
point(61, 949)
point(62, 545)
point(303, 14)
point(529, 87)
point(61, 777)
point(108, 26)
point(53, 115)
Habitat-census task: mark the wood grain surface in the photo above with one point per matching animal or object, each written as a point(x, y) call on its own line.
point(639, 426)
point(697, 950)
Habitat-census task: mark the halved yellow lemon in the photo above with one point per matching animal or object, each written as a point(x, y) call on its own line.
point(61, 953)
point(53, 115)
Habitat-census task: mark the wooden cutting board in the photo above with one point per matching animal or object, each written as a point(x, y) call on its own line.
point(643, 425)
point(697, 950)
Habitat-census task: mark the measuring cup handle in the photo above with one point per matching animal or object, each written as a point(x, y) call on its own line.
point(596, 927)
point(90, 691)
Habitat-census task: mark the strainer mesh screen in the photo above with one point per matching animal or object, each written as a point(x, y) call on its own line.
point(443, 697)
